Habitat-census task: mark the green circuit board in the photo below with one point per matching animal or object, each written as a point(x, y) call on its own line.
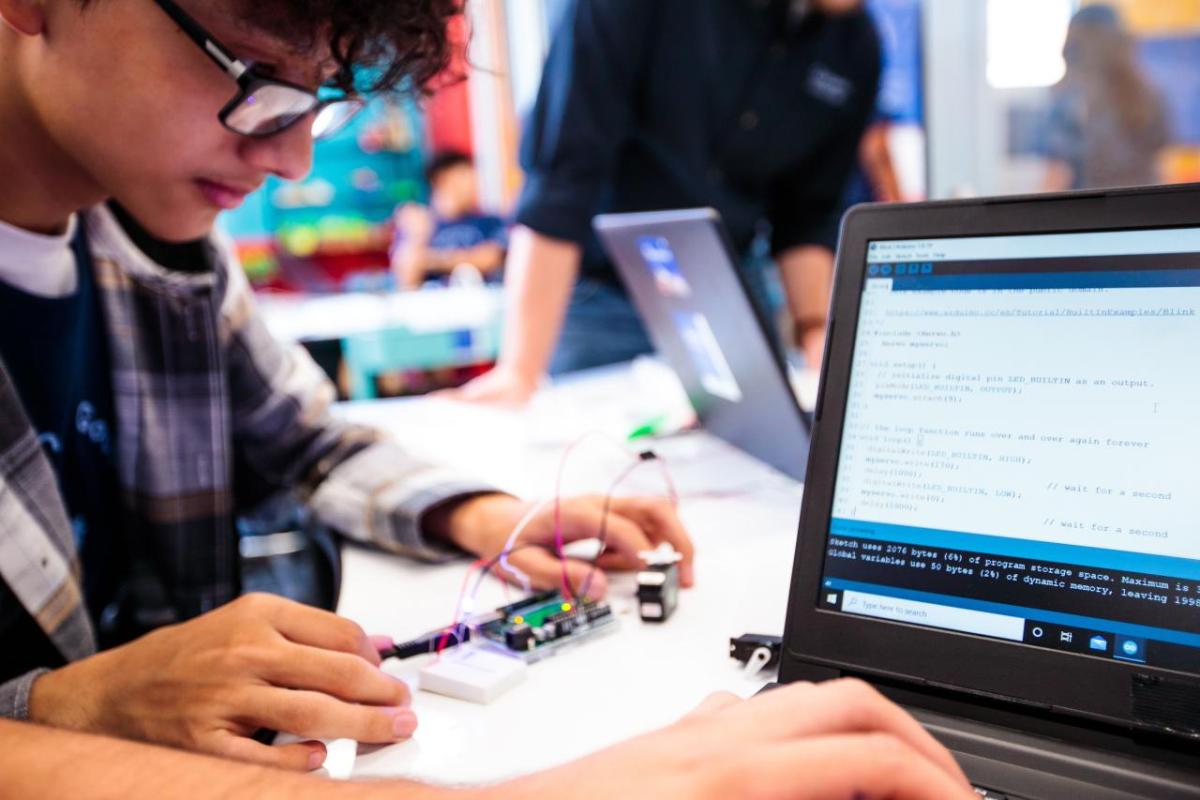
point(534, 627)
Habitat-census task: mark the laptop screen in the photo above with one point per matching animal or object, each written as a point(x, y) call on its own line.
point(1021, 451)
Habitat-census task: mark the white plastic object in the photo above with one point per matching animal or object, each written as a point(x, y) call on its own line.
point(757, 661)
point(476, 674)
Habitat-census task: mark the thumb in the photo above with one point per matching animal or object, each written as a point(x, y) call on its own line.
point(298, 757)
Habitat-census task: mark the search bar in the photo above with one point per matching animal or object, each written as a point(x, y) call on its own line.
point(916, 612)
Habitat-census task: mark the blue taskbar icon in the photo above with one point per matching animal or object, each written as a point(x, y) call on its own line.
point(886, 269)
point(1099, 643)
point(873, 270)
point(1130, 649)
point(901, 269)
point(927, 269)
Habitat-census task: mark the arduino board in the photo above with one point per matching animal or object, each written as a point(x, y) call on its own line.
point(540, 625)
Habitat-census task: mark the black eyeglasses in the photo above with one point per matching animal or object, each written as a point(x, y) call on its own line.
point(263, 105)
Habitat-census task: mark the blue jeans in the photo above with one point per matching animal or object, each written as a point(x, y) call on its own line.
point(602, 327)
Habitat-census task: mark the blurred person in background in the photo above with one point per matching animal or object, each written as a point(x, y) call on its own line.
point(752, 107)
point(433, 241)
point(1107, 123)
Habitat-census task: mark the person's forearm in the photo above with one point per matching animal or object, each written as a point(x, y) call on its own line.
point(45, 762)
point(1059, 177)
point(539, 276)
point(408, 265)
point(807, 274)
point(876, 159)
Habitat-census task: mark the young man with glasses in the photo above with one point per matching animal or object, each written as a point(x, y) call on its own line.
point(141, 399)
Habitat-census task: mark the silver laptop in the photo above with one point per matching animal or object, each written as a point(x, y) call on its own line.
point(680, 271)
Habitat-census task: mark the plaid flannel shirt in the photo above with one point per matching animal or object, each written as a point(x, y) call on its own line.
point(197, 382)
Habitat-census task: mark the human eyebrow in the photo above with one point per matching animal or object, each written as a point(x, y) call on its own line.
point(275, 58)
point(275, 67)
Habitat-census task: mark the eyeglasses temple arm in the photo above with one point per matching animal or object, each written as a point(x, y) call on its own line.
point(214, 49)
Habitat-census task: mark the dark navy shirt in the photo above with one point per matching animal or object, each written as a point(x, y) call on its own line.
point(469, 231)
point(55, 350)
point(655, 104)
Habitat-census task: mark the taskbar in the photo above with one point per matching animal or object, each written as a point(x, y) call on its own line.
point(1097, 638)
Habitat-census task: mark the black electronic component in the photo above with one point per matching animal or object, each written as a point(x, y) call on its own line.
point(744, 647)
point(658, 591)
point(428, 643)
point(519, 638)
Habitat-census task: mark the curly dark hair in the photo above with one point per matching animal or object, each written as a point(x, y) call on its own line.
point(377, 45)
point(397, 43)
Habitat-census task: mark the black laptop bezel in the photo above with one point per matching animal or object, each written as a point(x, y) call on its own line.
point(831, 642)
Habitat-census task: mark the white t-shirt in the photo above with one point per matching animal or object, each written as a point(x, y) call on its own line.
point(36, 263)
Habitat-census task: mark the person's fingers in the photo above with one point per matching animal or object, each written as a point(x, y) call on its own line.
point(499, 396)
point(319, 716)
point(618, 562)
point(849, 765)
point(545, 572)
point(658, 519)
point(299, 757)
point(837, 707)
point(315, 627)
point(497, 387)
point(715, 702)
point(381, 643)
point(587, 580)
point(583, 518)
point(341, 675)
point(540, 566)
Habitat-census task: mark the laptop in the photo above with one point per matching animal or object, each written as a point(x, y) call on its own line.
point(681, 272)
point(1001, 522)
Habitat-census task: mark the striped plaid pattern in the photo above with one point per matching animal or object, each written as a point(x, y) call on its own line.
point(199, 386)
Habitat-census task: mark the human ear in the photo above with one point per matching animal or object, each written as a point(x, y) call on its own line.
point(26, 17)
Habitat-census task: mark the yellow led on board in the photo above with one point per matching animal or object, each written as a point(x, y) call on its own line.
point(566, 606)
point(518, 620)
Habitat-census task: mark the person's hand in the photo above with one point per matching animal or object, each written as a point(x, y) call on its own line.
point(482, 525)
point(210, 683)
point(409, 267)
point(502, 386)
point(416, 223)
point(800, 742)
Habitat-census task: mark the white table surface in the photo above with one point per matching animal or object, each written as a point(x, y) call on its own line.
point(742, 515)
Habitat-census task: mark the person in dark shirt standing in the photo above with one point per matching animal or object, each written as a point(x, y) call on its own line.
point(753, 107)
